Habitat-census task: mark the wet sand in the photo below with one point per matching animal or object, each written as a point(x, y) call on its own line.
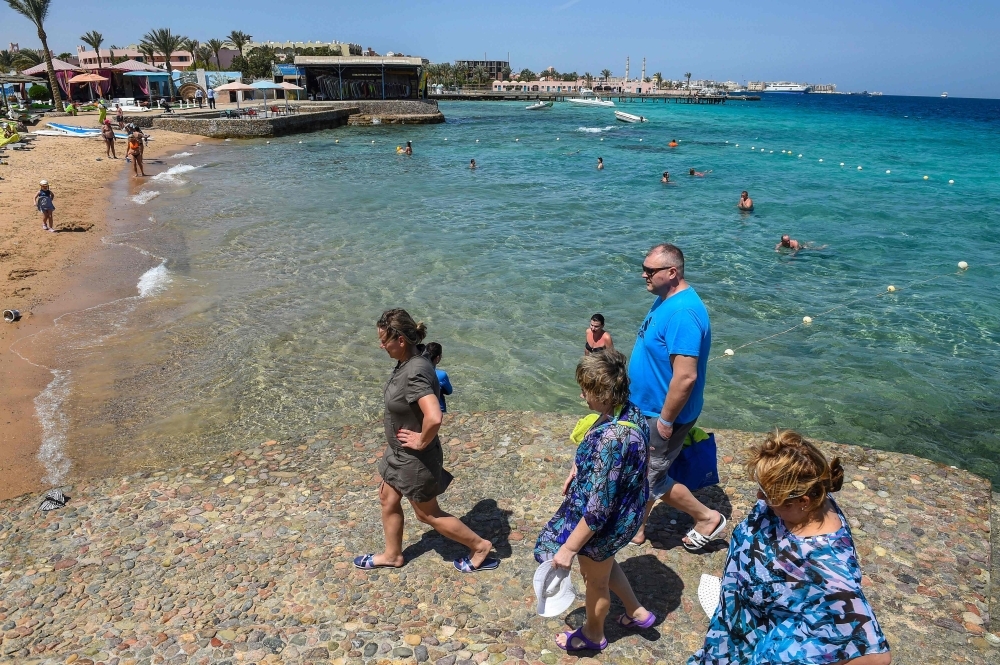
point(38, 270)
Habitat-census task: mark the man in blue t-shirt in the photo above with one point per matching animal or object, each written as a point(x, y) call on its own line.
point(667, 382)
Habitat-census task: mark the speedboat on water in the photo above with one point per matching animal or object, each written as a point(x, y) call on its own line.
point(590, 101)
point(539, 105)
point(629, 117)
point(944, 95)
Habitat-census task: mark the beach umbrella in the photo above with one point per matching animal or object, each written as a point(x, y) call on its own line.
point(87, 78)
point(285, 85)
point(265, 86)
point(236, 86)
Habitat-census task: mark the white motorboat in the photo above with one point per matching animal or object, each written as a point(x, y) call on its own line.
point(629, 117)
point(590, 101)
point(944, 95)
point(539, 105)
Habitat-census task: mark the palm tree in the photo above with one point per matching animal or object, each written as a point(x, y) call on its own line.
point(6, 61)
point(149, 51)
point(191, 45)
point(687, 75)
point(589, 78)
point(203, 54)
point(658, 77)
point(94, 39)
point(36, 11)
point(606, 74)
point(238, 39)
point(216, 45)
point(166, 42)
point(27, 58)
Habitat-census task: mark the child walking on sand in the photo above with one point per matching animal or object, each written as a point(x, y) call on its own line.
point(43, 201)
point(434, 352)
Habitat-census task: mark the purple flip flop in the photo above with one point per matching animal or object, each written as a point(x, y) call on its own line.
point(586, 645)
point(625, 621)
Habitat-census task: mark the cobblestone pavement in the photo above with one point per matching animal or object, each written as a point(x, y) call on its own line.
point(247, 559)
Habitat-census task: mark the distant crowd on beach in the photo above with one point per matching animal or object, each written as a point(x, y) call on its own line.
point(790, 589)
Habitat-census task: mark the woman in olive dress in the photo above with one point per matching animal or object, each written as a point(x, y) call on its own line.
point(413, 463)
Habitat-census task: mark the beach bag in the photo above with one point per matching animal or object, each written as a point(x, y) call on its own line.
point(696, 466)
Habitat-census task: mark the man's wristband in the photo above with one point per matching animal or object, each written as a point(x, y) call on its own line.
point(665, 423)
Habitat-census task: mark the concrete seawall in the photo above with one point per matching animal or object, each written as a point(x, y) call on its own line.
point(212, 126)
point(389, 112)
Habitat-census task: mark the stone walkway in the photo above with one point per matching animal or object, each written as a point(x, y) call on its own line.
point(247, 559)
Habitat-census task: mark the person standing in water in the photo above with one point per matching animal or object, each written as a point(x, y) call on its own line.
point(135, 148)
point(600, 163)
point(666, 177)
point(597, 338)
point(409, 148)
point(413, 463)
point(435, 352)
point(472, 164)
point(746, 203)
point(672, 144)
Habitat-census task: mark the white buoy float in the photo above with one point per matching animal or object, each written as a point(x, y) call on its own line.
point(807, 319)
point(729, 352)
point(640, 140)
point(927, 177)
point(229, 139)
point(737, 145)
point(800, 155)
point(821, 160)
point(557, 138)
point(727, 141)
point(951, 182)
point(963, 265)
point(887, 171)
point(891, 288)
point(753, 147)
point(859, 168)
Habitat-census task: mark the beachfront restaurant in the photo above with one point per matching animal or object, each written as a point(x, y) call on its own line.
point(333, 78)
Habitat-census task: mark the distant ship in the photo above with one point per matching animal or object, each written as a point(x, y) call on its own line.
point(944, 95)
point(796, 88)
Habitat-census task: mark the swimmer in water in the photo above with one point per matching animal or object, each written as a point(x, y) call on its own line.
point(699, 174)
point(666, 177)
point(472, 165)
point(746, 203)
point(409, 148)
point(788, 242)
point(673, 143)
point(600, 163)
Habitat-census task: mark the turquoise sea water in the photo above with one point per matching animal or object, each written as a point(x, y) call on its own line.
point(280, 256)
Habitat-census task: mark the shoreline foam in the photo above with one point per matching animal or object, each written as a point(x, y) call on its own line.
point(53, 267)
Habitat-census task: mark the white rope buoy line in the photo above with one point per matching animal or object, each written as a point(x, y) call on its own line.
point(807, 320)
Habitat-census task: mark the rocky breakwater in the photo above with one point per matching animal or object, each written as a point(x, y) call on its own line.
point(246, 558)
point(389, 112)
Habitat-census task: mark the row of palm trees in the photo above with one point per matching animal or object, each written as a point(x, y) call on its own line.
point(160, 40)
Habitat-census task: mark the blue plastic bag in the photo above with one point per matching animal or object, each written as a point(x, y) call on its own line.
point(696, 466)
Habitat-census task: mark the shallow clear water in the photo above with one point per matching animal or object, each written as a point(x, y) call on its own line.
point(282, 255)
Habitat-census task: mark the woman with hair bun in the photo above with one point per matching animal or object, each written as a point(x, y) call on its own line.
point(791, 592)
point(606, 493)
point(413, 462)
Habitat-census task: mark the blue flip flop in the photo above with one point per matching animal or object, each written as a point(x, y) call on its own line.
point(584, 643)
point(367, 562)
point(465, 565)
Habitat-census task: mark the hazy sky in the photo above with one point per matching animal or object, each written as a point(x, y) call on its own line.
point(917, 47)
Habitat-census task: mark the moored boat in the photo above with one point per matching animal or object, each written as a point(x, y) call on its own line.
point(590, 101)
point(539, 106)
point(629, 117)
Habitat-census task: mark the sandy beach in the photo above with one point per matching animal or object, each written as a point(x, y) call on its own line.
point(37, 269)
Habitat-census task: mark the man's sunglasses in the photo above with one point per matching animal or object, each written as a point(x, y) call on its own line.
point(649, 272)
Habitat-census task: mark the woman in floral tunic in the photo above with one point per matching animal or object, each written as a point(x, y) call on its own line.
point(791, 593)
point(606, 493)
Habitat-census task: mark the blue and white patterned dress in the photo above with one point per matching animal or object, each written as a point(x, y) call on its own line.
point(790, 600)
point(609, 491)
